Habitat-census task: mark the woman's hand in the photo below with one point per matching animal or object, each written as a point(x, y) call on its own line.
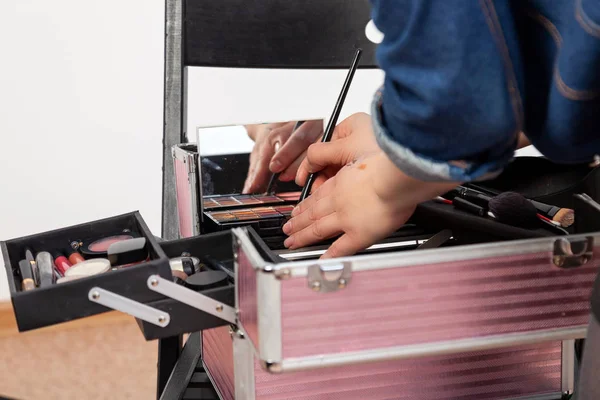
point(365, 202)
point(278, 149)
point(352, 138)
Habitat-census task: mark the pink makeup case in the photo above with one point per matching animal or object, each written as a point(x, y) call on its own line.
point(491, 321)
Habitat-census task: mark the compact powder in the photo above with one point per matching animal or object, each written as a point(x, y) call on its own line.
point(103, 244)
point(88, 268)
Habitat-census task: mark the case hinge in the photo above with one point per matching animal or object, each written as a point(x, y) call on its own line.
point(128, 306)
point(329, 277)
point(572, 253)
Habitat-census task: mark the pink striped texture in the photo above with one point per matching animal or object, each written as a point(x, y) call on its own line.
point(184, 199)
point(429, 303)
point(217, 353)
point(486, 375)
point(248, 313)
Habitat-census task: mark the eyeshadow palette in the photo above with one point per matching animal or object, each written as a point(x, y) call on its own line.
point(249, 214)
point(245, 201)
point(265, 213)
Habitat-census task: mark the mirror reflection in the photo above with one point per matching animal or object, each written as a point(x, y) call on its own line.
point(254, 158)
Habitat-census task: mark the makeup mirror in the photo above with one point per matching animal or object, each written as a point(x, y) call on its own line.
point(225, 156)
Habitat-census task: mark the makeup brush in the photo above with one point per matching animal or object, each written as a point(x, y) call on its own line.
point(333, 120)
point(564, 217)
point(275, 177)
point(514, 209)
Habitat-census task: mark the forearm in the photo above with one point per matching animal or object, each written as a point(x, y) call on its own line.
point(450, 108)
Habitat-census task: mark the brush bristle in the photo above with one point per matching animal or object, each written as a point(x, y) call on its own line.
point(514, 209)
point(565, 217)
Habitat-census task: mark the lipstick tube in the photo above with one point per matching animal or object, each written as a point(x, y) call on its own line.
point(61, 262)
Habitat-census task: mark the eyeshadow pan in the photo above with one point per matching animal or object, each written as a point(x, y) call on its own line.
point(248, 200)
point(222, 216)
point(269, 199)
point(267, 212)
point(244, 215)
point(228, 201)
point(289, 196)
point(286, 211)
point(209, 203)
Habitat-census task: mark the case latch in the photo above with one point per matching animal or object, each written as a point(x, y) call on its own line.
point(572, 253)
point(329, 277)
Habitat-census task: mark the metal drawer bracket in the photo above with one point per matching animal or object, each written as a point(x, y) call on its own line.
point(572, 253)
point(128, 306)
point(191, 298)
point(329, 277)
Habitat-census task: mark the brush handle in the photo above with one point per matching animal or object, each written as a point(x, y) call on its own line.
point(275, 176)
point(469, 207)
point(333, 120)
point(546, 209)
point(473, 196)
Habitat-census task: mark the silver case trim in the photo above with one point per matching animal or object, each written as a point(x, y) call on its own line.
point(243, 369)
point(268, 293)
point(568, 366)
point(428, 349)
point(194, 182)
point(431, 256)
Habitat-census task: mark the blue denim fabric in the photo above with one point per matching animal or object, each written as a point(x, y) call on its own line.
point(464, 77)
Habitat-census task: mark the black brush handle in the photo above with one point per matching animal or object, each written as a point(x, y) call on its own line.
point(333, 120)
point(275, 177)
point(469, 207)
point(546, 209)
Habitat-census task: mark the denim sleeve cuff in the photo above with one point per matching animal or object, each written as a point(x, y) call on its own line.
point(426, 169)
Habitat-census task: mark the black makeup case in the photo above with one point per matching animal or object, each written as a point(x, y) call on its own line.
point(61, 302)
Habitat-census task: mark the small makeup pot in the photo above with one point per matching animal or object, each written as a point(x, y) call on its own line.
point(98, 247)
point(206, 280)
point(187, 265)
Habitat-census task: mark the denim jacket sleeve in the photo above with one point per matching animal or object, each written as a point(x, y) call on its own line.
point(450, 108)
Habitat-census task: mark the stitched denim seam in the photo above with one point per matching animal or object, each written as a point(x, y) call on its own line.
point(495, 28)
point(586, 22)
point(563, 88)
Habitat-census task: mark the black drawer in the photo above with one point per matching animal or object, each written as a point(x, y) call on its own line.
point(183, 318)
point(61, 302)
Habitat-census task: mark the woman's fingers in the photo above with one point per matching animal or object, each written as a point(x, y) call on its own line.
point(321, 229)
point(325, 190)
point(319, 210)
point(346, 245)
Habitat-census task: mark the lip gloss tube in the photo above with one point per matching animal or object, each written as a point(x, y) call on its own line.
point(74, 256)
point(61, 262)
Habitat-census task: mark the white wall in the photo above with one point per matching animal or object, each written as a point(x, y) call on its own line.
point(81, 91)
point(81, 86)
